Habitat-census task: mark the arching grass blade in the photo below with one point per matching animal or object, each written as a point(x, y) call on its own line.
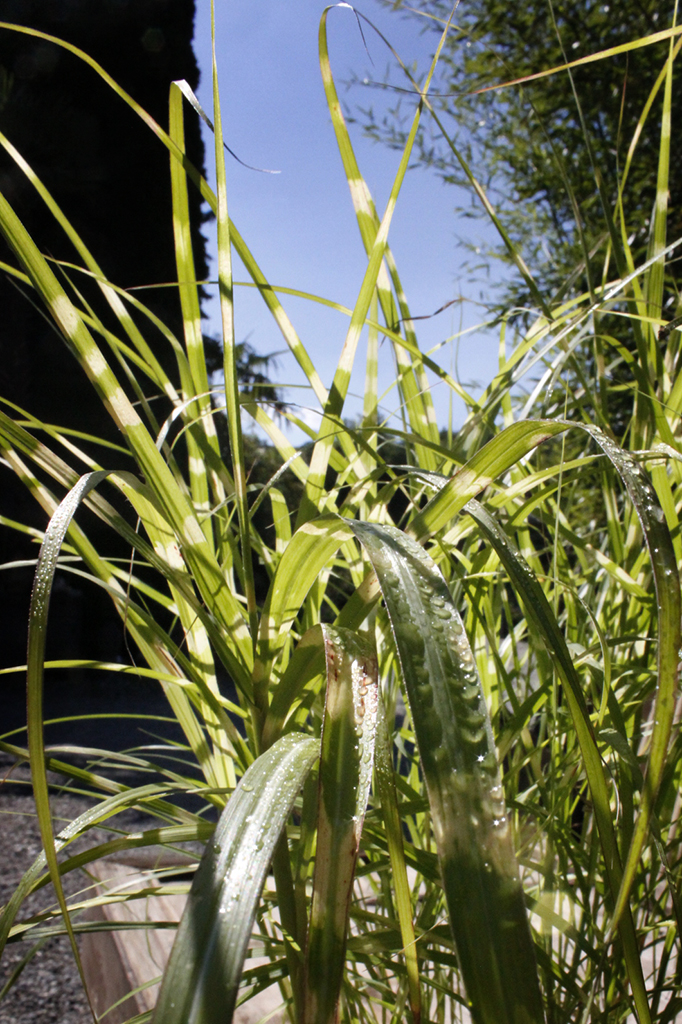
point(201, 981)
point(37, 634)
point(667, 585)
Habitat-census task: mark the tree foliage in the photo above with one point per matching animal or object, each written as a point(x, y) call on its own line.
point(527, 143)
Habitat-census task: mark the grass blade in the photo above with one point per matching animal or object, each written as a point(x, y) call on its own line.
point(314, 493)
point(37, 635)
point(417, 396)
point(457, 751)
point(226, 291)
point(539, 612)
point(385, 783)
point(306, 662)
point(201, 981)
point(305, 556)
point(347, 754)
point(191, 318)
point(496, 457)
point(667, 585)
point(208, 575)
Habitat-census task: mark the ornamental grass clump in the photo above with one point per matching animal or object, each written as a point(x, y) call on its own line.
point(503, 846)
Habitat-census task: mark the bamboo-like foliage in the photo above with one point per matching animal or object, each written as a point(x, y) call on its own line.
point(446, 785)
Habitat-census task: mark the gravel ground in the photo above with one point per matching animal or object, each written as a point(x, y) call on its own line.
point(48, 990)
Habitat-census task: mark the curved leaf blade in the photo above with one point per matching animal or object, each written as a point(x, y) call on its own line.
point(201, 982)
point(667, 586)
point(497, 457)
point(306, 554)
point(306, 662)
point(35, 660)
point(419, 403)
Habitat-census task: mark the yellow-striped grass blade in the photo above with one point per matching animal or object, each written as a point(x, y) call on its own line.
point(306, 662)
point(232, 406)
point(507, 448)
point(314, 497)
point(35, 878)
point(413, 381)
point(205, 569)
point(191, 318)
point(13, 436)
point(269, 297)
point(201, 982)
point(347, 754)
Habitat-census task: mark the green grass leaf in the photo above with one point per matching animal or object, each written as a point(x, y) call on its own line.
point(539, 612)
point(457, 751)
point(37, 634)
point(201, 981)
point(347, 754)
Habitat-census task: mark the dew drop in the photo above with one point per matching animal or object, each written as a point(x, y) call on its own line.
point(425, 694)
point(487, 762)
point(439, 756)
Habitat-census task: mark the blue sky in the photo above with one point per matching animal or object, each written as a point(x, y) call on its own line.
point(300, 223)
